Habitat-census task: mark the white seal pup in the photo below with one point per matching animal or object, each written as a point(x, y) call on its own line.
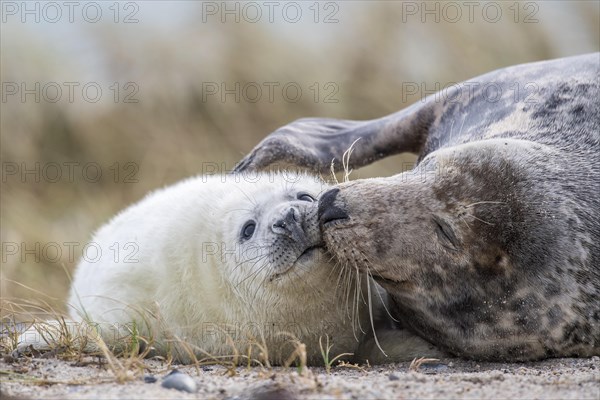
point(224, 265)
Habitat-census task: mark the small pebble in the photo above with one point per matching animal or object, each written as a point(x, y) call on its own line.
point(179, 381)
point(393, 377)
point(149, 378)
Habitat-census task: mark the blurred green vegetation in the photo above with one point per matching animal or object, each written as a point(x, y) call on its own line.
point(173, 132)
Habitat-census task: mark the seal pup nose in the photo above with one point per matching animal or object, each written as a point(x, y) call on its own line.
point(327, 210)
point(289, 220)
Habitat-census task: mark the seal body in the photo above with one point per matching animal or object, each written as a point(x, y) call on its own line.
point(490, 247)
point(219, 265)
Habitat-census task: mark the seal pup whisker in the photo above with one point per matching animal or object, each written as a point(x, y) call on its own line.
point(233, 210)
point(252, 267)
point(250, 199)
point(248, 281)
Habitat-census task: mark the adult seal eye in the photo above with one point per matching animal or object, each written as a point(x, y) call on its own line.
point(248, 230)
point(305, 197)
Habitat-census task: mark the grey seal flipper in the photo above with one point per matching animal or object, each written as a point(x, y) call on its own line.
point(314, 143)
point(476, 109)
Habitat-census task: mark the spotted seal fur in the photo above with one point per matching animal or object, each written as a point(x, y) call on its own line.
point(490, 246)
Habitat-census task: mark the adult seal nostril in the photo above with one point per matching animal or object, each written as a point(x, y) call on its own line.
point(327, 210)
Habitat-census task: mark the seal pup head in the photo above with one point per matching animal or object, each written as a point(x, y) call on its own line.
point(270, 232)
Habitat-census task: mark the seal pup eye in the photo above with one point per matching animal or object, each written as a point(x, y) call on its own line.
point(248, 229)
point(305, 197)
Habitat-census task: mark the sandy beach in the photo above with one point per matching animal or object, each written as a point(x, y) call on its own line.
point(89, 378)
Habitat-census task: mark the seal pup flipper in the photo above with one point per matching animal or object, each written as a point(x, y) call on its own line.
point(316, 143)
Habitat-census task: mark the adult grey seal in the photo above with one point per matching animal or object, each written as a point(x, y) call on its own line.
point(490, 246)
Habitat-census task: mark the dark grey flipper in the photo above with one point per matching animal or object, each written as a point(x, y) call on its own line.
point(313, 143)
point(529, 96)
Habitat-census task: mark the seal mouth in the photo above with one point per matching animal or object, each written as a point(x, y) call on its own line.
point(305, 255)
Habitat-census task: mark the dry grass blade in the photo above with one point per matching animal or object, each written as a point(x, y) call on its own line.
point(346, 364)
point(417, 362)
point(298, 354)
point(346, 161)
